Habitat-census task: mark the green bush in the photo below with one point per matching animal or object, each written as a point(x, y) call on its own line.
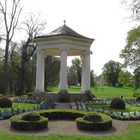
point(105, 124)
point(32, 116)
point(138, 99)
point(93, 117)
point(30, 94)
point(18, 123)
point(55, 114)
point(117, 103)
point(5, 102)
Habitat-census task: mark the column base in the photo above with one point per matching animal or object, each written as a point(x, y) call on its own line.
point(86, 91)
point(63, 95)
point(38, 91)
point(63, 91)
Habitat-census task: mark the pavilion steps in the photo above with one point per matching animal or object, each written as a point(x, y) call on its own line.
point(62, 105)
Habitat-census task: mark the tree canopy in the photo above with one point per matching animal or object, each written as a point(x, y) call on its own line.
point(111, 72)
point(131, 52)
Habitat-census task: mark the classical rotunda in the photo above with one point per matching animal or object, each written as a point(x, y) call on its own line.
point(63, 42)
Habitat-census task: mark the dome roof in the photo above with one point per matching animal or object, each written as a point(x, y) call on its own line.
point(64, 30)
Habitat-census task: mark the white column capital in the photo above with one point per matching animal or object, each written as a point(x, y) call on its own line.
point(40, 51)
point(87, 52)
point(64, 49)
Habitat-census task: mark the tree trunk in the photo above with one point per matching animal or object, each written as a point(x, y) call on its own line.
point(5, 68)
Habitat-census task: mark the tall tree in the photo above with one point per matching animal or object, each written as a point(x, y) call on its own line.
point(131, 52)
point(52, 67)
point(76, 63)
point(74, 72)
point(111, 72)
point(32, 26)
point(10, 12)
point(92, 78)
point(134, 7)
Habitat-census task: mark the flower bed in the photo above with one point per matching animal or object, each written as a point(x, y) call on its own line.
point(6, 113)
point(121, 115)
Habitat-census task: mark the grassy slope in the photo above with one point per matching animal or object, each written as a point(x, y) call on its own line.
point(102, 91)
point(134, 134)
point(113, 91)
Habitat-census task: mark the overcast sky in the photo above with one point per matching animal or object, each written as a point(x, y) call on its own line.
point(103, 20)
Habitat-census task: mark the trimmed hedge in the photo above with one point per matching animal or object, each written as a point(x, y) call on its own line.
point(105, 124)
point(18, 123)
point(31, 116)
point(56, 114)
point(117, 103)
point(92, 117)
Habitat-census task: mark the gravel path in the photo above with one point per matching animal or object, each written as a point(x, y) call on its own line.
point(66, 127)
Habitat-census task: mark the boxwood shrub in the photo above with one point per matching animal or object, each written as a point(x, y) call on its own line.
point(31, 116)
point(138, 99)
point(17, 122)
point(117, 103)
point(56, 114)
point(105, 124)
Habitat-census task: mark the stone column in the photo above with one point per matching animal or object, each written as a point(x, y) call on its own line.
point(40, 71)
point(85, 85)
point(63, 86)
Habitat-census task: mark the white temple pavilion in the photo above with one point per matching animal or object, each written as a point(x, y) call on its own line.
point(63, 42)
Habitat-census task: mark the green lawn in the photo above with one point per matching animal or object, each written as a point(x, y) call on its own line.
point(133, 134)
point(112, 91)
point(104, 91)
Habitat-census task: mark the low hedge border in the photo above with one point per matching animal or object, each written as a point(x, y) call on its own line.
point(105, 124)
point(59, 114)
point(19, 124)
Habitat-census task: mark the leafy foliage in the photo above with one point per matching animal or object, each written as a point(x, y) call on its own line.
point(125, 79)
point(75, 71)
point(111, 72)
point(131, 52)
